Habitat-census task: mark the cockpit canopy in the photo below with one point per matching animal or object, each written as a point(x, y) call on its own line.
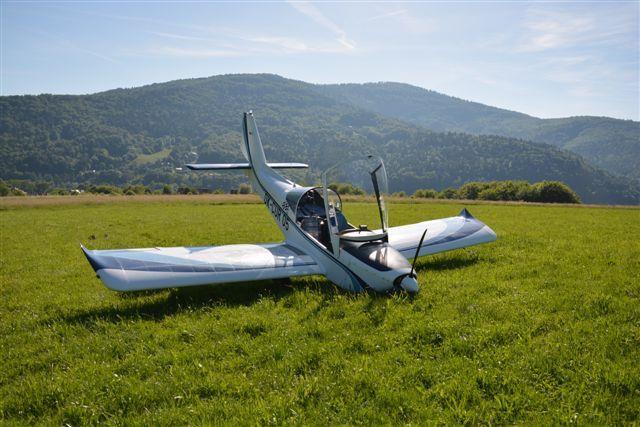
point(310, 212)
point(364, 176)
point(320, 211)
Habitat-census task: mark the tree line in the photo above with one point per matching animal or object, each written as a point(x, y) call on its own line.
point(515, 191)
point(520, 191)
point(539, 192)
point(20, 187)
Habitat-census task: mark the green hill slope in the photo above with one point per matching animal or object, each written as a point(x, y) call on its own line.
point(609, 143)
point(144, 134)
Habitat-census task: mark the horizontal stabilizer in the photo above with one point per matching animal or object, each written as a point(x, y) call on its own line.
point(233, 166)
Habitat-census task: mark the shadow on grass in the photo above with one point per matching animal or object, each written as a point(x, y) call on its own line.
point(158, 304)
point(447, 262)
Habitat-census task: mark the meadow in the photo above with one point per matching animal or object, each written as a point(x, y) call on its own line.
point(540, 327)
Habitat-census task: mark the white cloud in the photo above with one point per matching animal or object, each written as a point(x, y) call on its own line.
point(177, 36)
point(288, 45)
point(174, 51)
point(221, 42)
point(552, 29)
point(486, 81)
point(198, 47)
point(386, 15)
point(310, 10)
point(92, 53)
point(64, 43)
point(285, 44)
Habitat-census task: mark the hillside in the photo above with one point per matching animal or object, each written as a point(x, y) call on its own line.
point(143, 134)
point(612, 144)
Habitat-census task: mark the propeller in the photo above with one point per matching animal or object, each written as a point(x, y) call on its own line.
point(408, 282)
point(415, 258)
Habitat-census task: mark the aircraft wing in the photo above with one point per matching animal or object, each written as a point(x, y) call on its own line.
point(442, 235)
point(156, 268)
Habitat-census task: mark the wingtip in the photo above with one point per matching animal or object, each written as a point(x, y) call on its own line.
point(465, 214)
point(92, 261)
point(491, 233)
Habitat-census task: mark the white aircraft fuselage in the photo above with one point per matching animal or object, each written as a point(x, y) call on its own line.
point(339, 266)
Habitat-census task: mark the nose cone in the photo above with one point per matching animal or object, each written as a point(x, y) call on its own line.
point(409, 284)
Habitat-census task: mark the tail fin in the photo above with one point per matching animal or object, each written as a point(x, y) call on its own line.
point(253, 150)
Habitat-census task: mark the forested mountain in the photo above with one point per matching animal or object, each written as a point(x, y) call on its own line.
point(609, 143)
point(143, 134)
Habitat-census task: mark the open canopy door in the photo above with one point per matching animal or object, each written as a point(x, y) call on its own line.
point(348, 220)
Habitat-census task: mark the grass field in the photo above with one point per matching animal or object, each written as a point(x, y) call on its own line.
point(542, 326)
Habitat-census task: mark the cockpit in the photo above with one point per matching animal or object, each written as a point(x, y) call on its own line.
point(351, 225)
point(311, 213)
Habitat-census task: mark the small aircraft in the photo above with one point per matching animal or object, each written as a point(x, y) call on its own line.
point(319, 239)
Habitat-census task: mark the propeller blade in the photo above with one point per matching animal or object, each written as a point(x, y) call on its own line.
point(415, 258)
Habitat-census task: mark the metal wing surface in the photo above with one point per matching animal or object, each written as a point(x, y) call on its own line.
point(156, 268)
point(442, 235)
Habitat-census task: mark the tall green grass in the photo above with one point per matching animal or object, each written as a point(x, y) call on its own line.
point(542, 326)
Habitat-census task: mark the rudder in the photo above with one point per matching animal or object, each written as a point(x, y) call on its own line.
point(252, 150)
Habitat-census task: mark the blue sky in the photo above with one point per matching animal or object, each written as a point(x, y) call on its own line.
point(548, 59)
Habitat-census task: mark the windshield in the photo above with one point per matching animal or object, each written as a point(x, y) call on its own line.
point(362, 177)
